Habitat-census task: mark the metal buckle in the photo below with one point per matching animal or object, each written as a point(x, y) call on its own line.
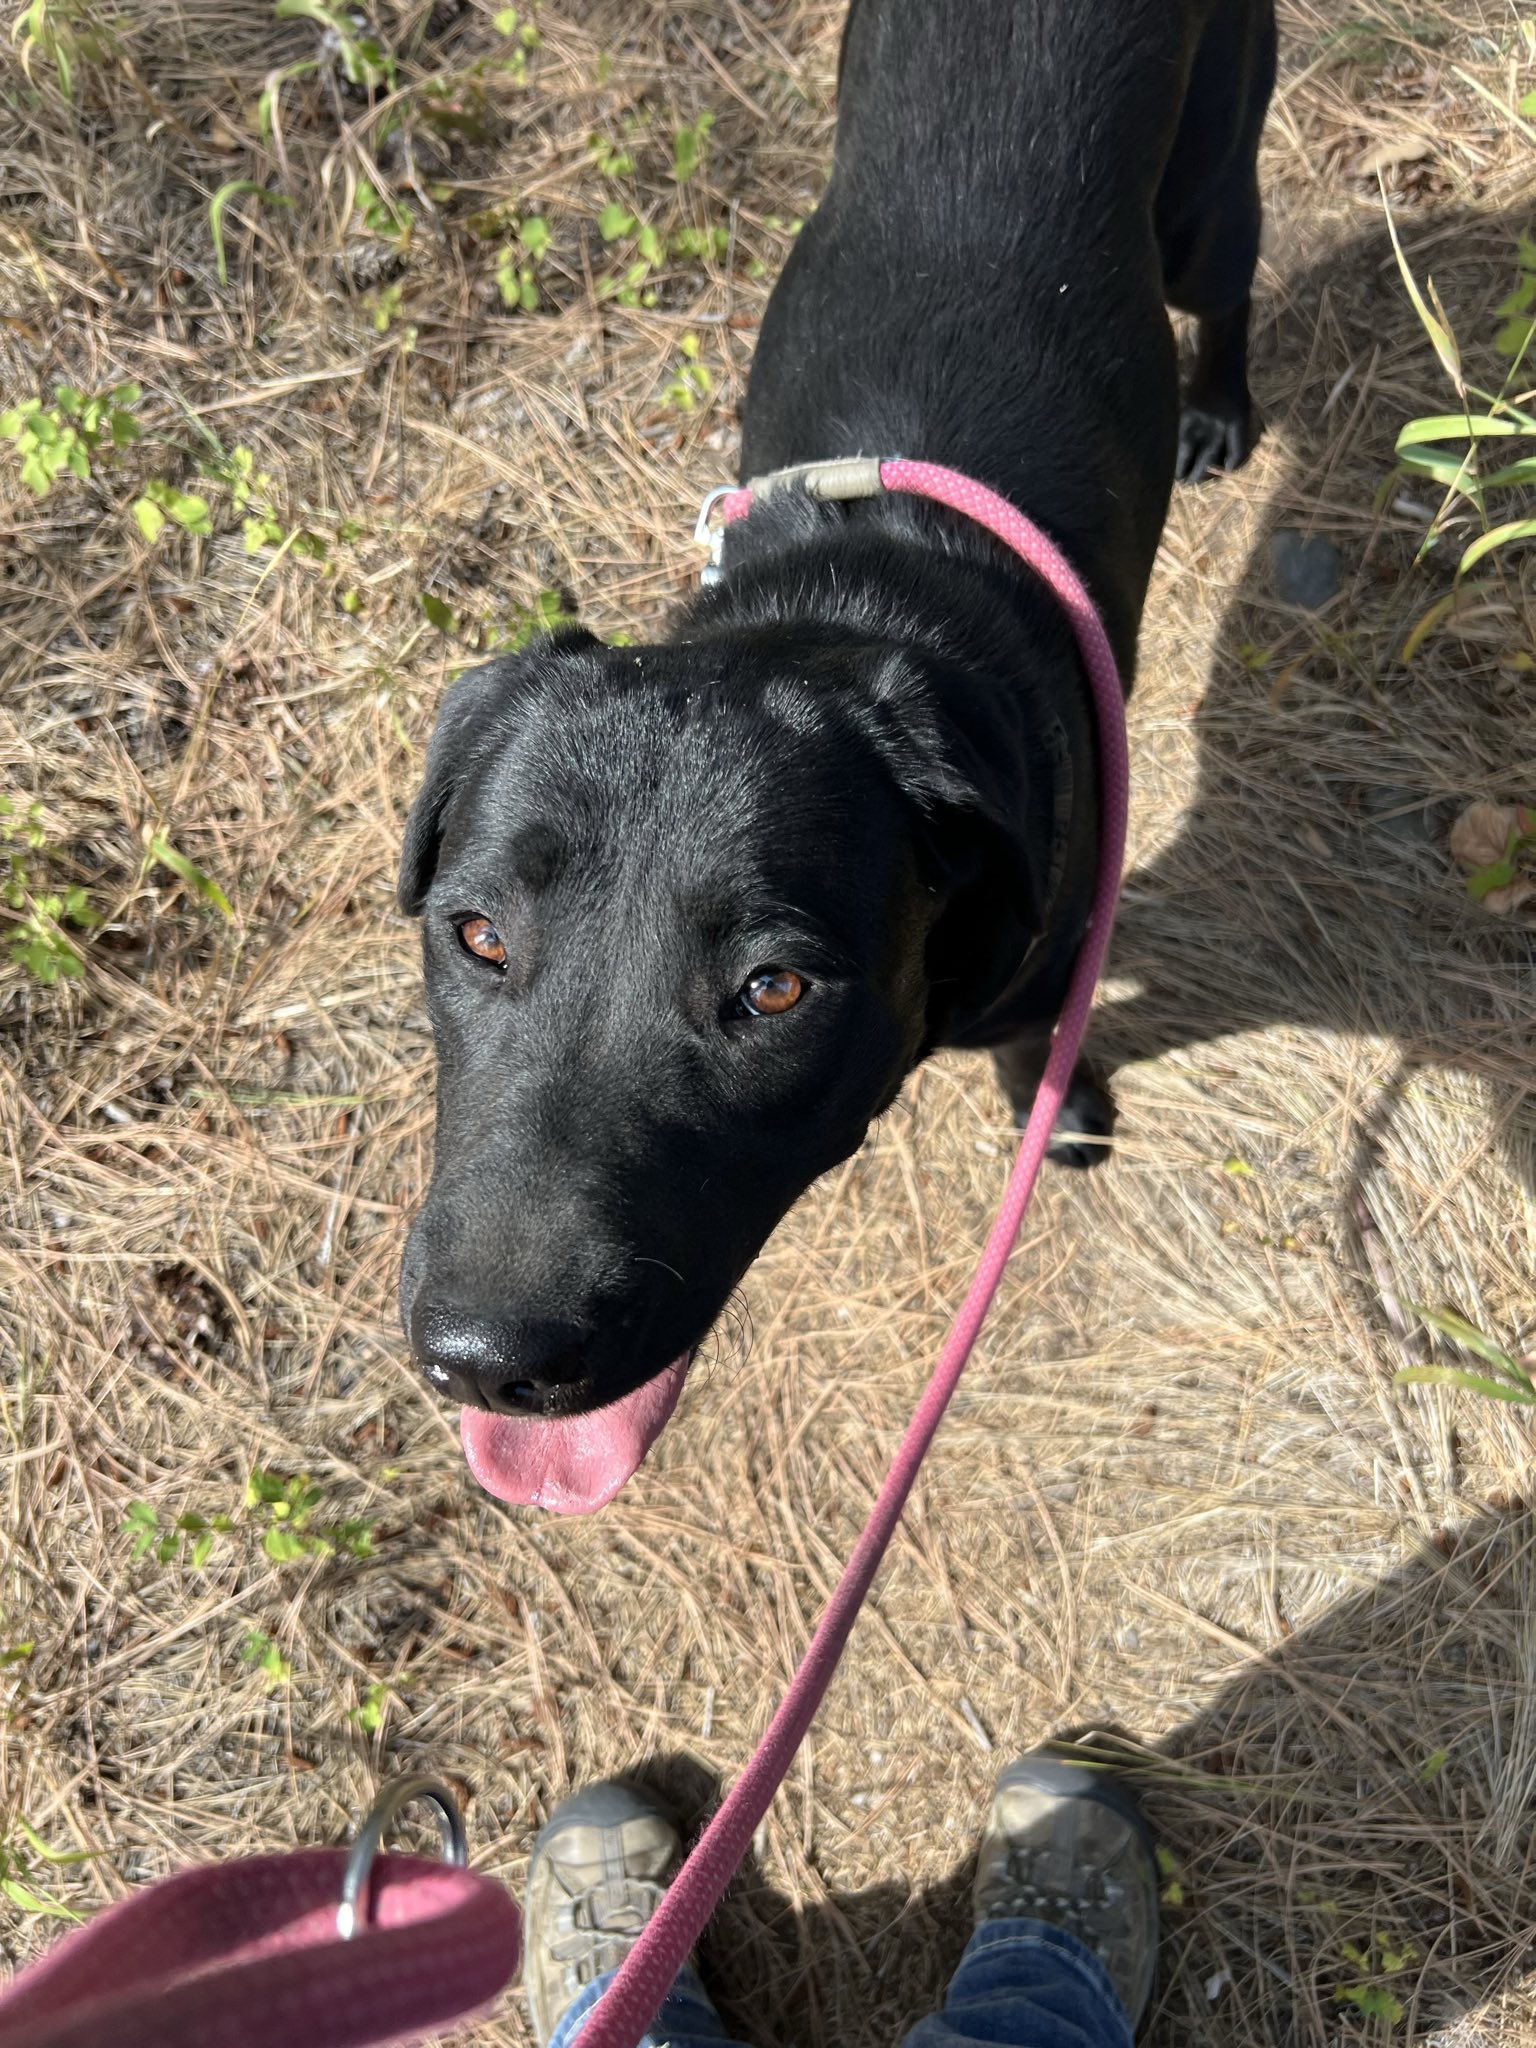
point(707, 534)
point(370, 1836)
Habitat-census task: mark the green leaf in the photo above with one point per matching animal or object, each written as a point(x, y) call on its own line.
point(535, 235)
point(1469, 1337)
point(196, 878)
point(236, 188)
point(33, 1902)
point(202, 1550)
point(1471, 1382)
point(283, 1544)
point(438, 613)
point(504, 21)
point(1441, 339)
point(1499, 874)
point(614, 220)
point(18, 1653)
point(1432, 1766)
point(149, 519)
point(688, 148)
point(1498, 536)
point(1375, 2001)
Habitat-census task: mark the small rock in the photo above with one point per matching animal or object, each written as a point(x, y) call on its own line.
point(1307, 570)
point(1402, 813)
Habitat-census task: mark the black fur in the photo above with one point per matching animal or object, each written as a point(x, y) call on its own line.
point(868, 754)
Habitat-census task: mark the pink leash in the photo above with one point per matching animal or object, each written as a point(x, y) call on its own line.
point(632, 2001)
point(205, 1959)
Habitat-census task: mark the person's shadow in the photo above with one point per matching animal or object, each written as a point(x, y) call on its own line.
point(1351, 1823)
point(1348, 1831)
point(1309, 883)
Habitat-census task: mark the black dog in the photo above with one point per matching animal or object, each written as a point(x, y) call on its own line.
point(693, 911)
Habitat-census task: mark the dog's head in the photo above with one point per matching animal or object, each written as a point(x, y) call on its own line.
point(690, 915)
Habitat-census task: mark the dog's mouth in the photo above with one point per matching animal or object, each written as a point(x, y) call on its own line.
point(570, 1464)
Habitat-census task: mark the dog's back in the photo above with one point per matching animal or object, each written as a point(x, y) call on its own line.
point(983, 284)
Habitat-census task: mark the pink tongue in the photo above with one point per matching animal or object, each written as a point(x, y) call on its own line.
point(573, 1464)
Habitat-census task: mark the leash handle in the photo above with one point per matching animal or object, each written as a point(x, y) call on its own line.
point(631, 2002)
point(211, 1958)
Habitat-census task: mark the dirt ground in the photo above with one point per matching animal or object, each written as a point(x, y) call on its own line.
point(1180, 1496)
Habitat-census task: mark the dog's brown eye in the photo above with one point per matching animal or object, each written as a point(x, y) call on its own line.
point(772, 991)
point(479, 936)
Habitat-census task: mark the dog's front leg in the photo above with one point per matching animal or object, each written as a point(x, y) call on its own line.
point(1087, 1120)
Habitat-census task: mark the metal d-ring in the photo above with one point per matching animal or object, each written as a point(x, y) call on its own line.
point(370, 1836)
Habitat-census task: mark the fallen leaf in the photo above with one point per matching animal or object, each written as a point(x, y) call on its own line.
point(1480, 835)
point(1494, 842)
point(1386, 156)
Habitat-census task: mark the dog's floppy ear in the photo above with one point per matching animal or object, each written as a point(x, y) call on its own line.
point(472, 713)
point(970, 791)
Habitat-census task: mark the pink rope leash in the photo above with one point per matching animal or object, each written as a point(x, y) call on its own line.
point(635, 1996)
point(223, 1956)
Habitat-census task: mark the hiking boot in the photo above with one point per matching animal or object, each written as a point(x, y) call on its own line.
point(600, 1865)
point(1066, 1844)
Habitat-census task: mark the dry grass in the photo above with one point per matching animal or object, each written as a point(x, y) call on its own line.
point(1180, 1495)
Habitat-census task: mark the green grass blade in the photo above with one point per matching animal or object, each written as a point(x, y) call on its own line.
point(1498, 537)
point(235, 189)
point(196, 878)
point(1453, 1376)
point(1441, 339)
point(1455, 426)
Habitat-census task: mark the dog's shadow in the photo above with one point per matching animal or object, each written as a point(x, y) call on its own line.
point(1334, 1857)
point(1309, 883)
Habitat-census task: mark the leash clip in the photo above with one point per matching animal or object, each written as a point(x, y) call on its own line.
point(370, 1837)
point(708, 533)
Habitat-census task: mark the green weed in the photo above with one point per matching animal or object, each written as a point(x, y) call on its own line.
point(388, 218)
point(71, 434)
point(688, 147)
point(692, 383)
point(1513, 1383)
point(191, 1537)
point(161, 502)
point(649, 251)
point(612, 160)
point(517, 264)
point(547, 611)
point(370, 1715)
point(66, 33)
point(1369, 1995)
point(289, 1506)
point(17, 1881)
point(38, 941)
point(364, 60)
point(158, 848)
point(1449, 448)
point(524, 35)
point(236, 188)
point(267, 1656)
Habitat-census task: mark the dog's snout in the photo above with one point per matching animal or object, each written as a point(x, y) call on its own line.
point(509, 1366)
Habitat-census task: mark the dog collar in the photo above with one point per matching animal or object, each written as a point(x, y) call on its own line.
point(837, 482)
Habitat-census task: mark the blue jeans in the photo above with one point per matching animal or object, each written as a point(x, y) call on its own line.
point(1020, 1984)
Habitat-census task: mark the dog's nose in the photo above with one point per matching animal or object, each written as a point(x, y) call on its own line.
point(510, 1366)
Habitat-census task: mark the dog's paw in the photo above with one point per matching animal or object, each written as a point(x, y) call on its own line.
point(1085, 1126)
point(1214, 436)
